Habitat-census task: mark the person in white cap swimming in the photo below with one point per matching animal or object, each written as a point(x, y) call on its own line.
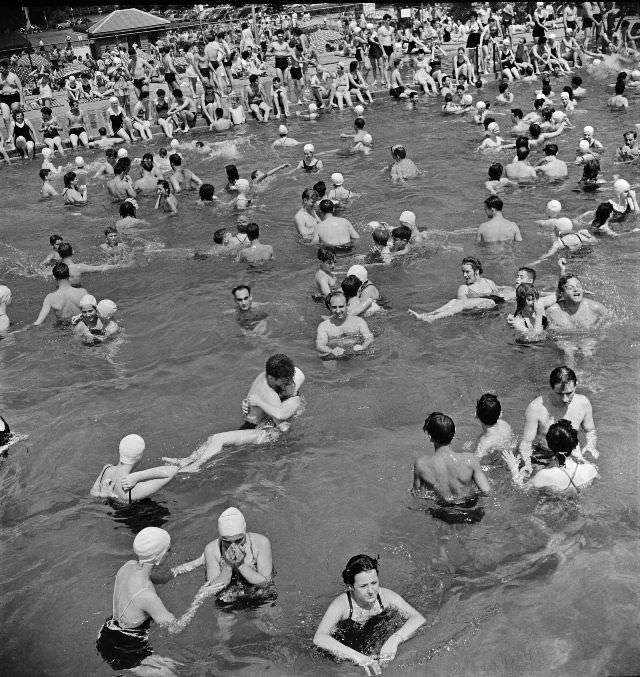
point(339, 194)
point(81, 171)
point(123, 639)
point(285, 141)
point(625, 200)
point(553, 209)
point(121, 483)
point(271, 402)
point(87, 325)
point(408, 218)
point(5, 300)
point(566, 239)
point(309, 163)
point(594, 144)
point(106, 310)
point(238, 563)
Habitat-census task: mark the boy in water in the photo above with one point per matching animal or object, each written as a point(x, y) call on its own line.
point(455, 477)
point(497, 182)
point(47, 189)
point(112, 247)
point(496, 433)
point(166, 201)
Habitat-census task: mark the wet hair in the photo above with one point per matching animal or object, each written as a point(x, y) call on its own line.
point(337, 292)
point(478, 84)
point(218, 236)
point(326, 255)
point(310, 194)
point(65, 249)
point(206, 191)
point(44, 173)
point(380, 236)
point(547, 114)
point(488, 409)
point(122, 166)
point(562, 439)
point(562, 375)
point(539, 103)
point(61, 271)
point(45, 110)
point(69, 178)
point(253, 78)
point(523, 292)
point(495, 171)
point(632, 132)
point(569, 91)
point(110, 229)
point(175, 160)
point(563, 279)
point(358, 565)
point(321, 188)
point(401, 233)
point(219, 112)
point(110, 153)
point(350, 286)
point(160, 92)
point(551, 149)
point(326, 206)
point(546, 88)
point(54, 237)
point(522, 153)
point(440, 428)
point(502, 87)
point(280, 366)
point(602, 215)
point(517, 113)
point(232, 173)
point(358, 123)
point(530, 272)
point(473, 262)
point(591, 170)
point(239, 287)
point(494, 202)
point(576, 81)
point(535, 130)
point(620, 87)
point(522, 141)
point(103, 132)
point(177, 93)
point(252, 230)
point(162, 152)
point(353, 66)
point(399, 151)
point(127, 208)
point(147, 157)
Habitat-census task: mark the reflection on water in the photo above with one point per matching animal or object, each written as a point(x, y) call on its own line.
point(541, 585)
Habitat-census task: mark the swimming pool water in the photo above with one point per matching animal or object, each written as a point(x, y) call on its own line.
point(542, 586)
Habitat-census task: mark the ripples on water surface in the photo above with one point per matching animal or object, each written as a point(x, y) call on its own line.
point(540, 587)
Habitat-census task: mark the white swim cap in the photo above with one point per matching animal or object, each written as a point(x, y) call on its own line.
point(5, 294)
point(564, 96)
point(151, 544)
point(131, 449)
point(588, 129)
point(635, 75)
point(569, 31)
point(467, 99)
point(242, 184)
point(46, 152)
point(72, 78)
point(106, 309)
point(408, 217)
point(370, 27)
point(175, 143)
point(506, 41)
point(79, 162)
point(123, 152)
point(308, 148)
point(282, 129)
point(113, 99)
point(313, 107)
point(374, 224)
point(563, 225)
point(554, 206)
point(493, 128)
point(557, 116)
point(583, 145)
point(367, 139)
point(357, 30)
point(481, 105)
point(88, 300)
point(621, 186)
point(231, 523)
point(359, 271)
point(358, 110)
point(597, 62)
point(337, 179)
point(552, 36)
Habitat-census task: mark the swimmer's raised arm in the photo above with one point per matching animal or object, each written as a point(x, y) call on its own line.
point(186, 567)
point(273, 171)
point(555, 247)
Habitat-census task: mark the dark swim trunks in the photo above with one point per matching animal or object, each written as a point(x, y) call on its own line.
point(467, 512)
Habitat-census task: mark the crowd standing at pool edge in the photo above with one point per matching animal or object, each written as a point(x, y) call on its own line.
point(406, 58)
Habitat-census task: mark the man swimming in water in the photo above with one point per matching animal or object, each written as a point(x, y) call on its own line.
point(341, 328)
point(497, 434)
point(572, 311)
point(65, 301)
point(256, 252)
point(334, 231)
point(562, 402)
point(306, 218)
point(455, 477)
point(65, 250)
point(272, 400)
point(251, 320)
point(497, 228)
point(402, 167)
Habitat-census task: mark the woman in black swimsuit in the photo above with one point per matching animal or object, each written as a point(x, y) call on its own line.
point(24, 135)
point(375, 54)
point(357, 623)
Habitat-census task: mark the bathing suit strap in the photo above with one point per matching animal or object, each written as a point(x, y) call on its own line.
point(109, 465)
point(119, 618)
point(380, 601)
point(350, 604)
point(571, 482)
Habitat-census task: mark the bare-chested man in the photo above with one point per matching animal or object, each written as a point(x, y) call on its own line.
point(455, 477)
point(65, 301)
point(306, 218)
point(334, 230)
point(561, 402)
point(573, 311)
point(342, 329)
